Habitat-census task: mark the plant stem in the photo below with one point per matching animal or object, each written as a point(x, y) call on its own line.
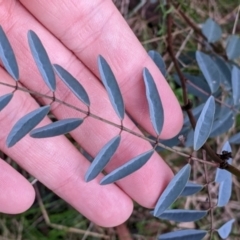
point(192, 120)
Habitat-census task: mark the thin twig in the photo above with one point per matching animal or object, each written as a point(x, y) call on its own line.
point(236, 21)
point(111, 123)
point(192, 120)
point(123, 232)
point(209, 194)
point(196, 29)
point(172, 55)
point(156, 39)
point(62, 227)
point(87, 232)
point(228, 17)
point(34, 181)
point(216, 99)
point(230, 168)
point(180, 49)
point(139, 6)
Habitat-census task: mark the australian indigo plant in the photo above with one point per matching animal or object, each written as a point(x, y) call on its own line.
point(214, 117)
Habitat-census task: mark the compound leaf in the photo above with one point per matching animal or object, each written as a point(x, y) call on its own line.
point(209, 70)
point(233, 47)
point(56, 128)
point(190, 189)
point(102, 158)
point(188, 234)
point(42, 60)
point(225, 229)
point(158, 60)
point(4, 100)
point(173, 190)
point(236, 85)
point(7, 56)
point(204, 124)
point(154, 102)
point(26, 124)
point(72, 84)
point(111, 86)
point(127, 168)
point(182, 215)
point(211, 30)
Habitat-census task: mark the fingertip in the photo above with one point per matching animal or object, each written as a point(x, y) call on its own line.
point(147, 184)
point(17, 194)
point(174, 121)
point(115, 214)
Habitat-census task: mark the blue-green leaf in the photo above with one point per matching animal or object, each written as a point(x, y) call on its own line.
point(4, 100)
point(196, 85)
point(7, 56)
point(225, 229)
point(209, 70)
point(188, 234)
point(223, 123)
point(172, 141)
point(235, 139)
point(211, 30)
point(72, 84)
point(221, 174)
point(189, 139)
point(186, 58)
point(42, 60)
point(111, 86)
point(190, 189)
point(224, 178)
point(196, 113)
point(185, 131)
point(127, 168)
point(56, 128)
point(173, 190)
point(182, 215)
point(218, 111)
point(233, 47)
point(225, 192)
point(204, 124)
point(236, 85)
point(158, 60)
point(102, 158)
point(225, 72)
point(26, 124)
point(154, 102)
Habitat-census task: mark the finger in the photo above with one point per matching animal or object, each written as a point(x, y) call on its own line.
point(17, 194)
point(153, 177)
point(90, 28)
point(59, 166)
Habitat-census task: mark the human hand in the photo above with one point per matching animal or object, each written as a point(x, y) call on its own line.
point(74, 33)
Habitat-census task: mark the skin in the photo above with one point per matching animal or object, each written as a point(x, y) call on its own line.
point(74, 33)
